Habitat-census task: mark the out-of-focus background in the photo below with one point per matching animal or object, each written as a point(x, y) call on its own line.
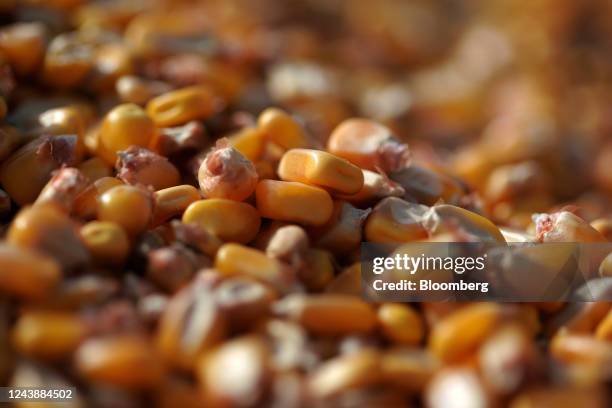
point(506, 92)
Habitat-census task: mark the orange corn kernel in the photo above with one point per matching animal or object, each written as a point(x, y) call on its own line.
point(294, 202)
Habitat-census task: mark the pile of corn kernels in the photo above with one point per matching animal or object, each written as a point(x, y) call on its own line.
point(185, 186)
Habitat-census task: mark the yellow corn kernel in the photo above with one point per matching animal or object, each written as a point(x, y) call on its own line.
point(23, 46)
point(408, 368)
point(401, 324)
point(248, 141)
point(124, 361)
point(107, 242)
point(182, 105)
point(173, 201)
point(130, 207)
point(47, 229)
point(581, 349)
point(63, 189)
point(604, 328)
point(331, 314)
point(48, 335)
point(352, 371)
point(375, 187)
point(368, 145)
point(446, 218)
point(27, 274)
point(280, 128)
point(395, 220)
point(95, 169)
point(318, 269)
point(214, 215)
point(458, 335)
point(86, 204)
point(292, 201)
point(67, 61)
point(235, 259)
point(321, 169)
point(140, 166)
point(124, 126)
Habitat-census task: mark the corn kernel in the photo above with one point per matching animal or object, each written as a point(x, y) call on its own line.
point(130, 207)
point(219, 382)
point(47, 229)
point(124, 361)
point(288, 244)
point(67, 61)
point(249, 141)
point(95, 169)
point(190, 324)
point(375, 187)
point(318, 269)
point(321, 169)
point(604, 328)
point(280, 128)
point(226, 173)
point(368, 145)
point(401, 324)
point(458, 335)
point(133, 89)
point(563, 226)
point(447, 218)
point(23, 46)
point(86, 203)
point(604, 226)
point(427, 186)
point(213, 214)
point(395, 220)
point(235, 259)
point(66, 120)
point(124, 126)
point(63, 189)
point(10, 139)
point(173, 201)
point(107, 242)
point(342, 232)
point(48, 335)
point(294, 202)
point(178, 107)
point(24, 174)
point(343, 373)
point(140, 166)
point(330, 314)
point(408, 368)
point(27, 274)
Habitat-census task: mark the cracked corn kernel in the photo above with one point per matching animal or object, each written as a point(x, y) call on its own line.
point(368, 145)
point(321, 169)
point(140, 166)
point(226, 173)
point(226, 219)
point(293, 202)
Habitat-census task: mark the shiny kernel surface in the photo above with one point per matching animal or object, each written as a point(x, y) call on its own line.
point(214, 215)
point(293, 201)
point(112, 205)
point(321, 169)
